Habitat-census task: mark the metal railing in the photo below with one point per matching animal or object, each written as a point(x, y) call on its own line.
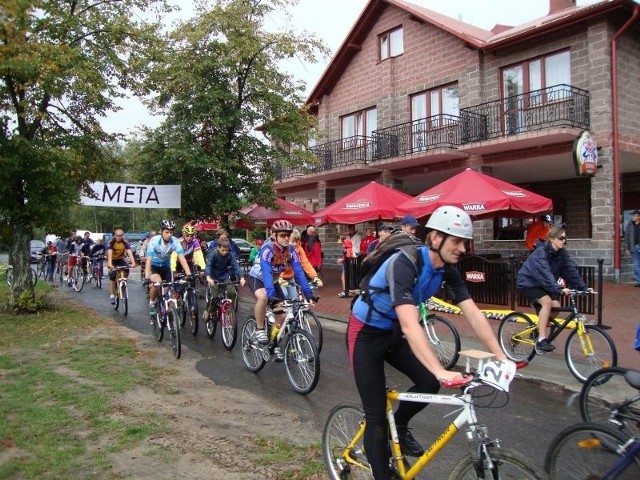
point(557, 106)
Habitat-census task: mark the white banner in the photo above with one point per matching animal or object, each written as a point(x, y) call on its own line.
point(133, 196)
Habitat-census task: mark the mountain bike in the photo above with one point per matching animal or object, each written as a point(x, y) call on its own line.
point(62, 268)
point(442, 335)
point(167, 314)
point(122, 290)
point(41, 266)
point(224, 313)
point(8, 275)
point(301, 358)
point(96, 271)
point(76, 275)
point(188, 303)
point(342, 438)
point(612, 395)
point(588, 348)
point(307, 319)
point(593, 451)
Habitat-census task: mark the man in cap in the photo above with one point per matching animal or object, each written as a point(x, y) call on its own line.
point(409, 224)
point(384, 230)
point(538, 231)
point(632, 243)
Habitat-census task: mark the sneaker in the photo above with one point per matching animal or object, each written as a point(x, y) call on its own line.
point(261, 336)
point(543, 346)
point(205, 316)
point(408, 444)
point(113, 299)
point(278, 353)
point(152, 310)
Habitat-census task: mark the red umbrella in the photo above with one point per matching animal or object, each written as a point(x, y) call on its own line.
point(371, 202)
point(203, 226)
point(480, 195)
point(264, 217)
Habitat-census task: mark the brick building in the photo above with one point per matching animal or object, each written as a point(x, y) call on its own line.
point(413, 97)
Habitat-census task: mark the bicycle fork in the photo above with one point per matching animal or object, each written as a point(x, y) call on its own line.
point(585, 340)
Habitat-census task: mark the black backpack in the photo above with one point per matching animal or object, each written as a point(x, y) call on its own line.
point(397, 241)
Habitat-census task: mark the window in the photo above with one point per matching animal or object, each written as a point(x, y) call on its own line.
point(432, 109)
point(356, 126)
point(391, 44)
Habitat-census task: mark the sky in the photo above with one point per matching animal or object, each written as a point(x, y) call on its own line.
point(331, 20)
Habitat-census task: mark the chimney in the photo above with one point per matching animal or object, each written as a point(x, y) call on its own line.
point(556, 6)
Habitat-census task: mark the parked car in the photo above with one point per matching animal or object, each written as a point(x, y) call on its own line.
point(245, 247)
point(35, 246)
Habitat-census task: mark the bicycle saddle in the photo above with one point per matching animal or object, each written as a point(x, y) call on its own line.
point(633, 378)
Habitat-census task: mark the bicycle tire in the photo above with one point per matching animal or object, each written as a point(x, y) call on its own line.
point(252, 351)
point(34, 277)
point(604, 396)
point(340, 429)
point(78, 278)
point(507, 464)
point(157, 323)
point(193, 312)
point(212, 322)
point(444, 339)
point(514, 349)
point(310, 322)
point(302, 361)
point(176, 339)
point(228, 325)
point(604, 352)
point(125, 299)
point(587, 450)
point(117, 302)
point(41, 269)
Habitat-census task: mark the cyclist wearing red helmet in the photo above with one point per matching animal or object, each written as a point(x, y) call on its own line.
point(274, 257)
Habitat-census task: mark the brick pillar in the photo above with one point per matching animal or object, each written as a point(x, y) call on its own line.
point(328, 233)
point(389, 181)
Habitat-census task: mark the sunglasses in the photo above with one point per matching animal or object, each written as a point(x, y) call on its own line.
point(284, 235)
point(562, 239)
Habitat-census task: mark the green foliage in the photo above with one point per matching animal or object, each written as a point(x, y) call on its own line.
point(27, 302)
point(219, 80)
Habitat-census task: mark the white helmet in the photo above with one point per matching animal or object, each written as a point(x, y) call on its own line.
point(452, 221)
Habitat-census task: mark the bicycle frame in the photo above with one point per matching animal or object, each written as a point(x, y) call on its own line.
point(627, 451)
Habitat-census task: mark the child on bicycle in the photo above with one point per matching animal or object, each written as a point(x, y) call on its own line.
point(221, 267)
point(117, 249)
point(538, 279)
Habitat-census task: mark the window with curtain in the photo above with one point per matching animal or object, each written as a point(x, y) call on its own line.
point(430, 109)
point(391, 44)
point(357, 126)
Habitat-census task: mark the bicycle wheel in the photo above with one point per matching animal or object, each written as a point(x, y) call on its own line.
point(9, 276)
point(78, 278)
point(504, 463)
point(157, 323)
point(444, 339)
point(301, 361)
point(517, 347)
point(228, 325)
point(309, 322)
point(117, 302)
point(252, 351)
point(174, 329)
point(344, 422)
point(124, 293)
point(193, 312)
point(602, 355)
point(41, 269)
point(34, 277)
point(606, 395)
point(589, 450)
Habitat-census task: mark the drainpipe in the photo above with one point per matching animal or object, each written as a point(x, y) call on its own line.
point(616, 153)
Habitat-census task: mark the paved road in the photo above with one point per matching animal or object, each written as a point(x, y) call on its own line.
point(535, 413)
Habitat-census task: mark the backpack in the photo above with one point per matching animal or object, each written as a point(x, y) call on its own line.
point(396, 242)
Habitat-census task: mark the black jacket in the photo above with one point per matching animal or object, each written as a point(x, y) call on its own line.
point(543, 267)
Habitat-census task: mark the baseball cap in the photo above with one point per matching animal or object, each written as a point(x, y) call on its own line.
point(385, 226)
point(409, 220)
point(545, 218)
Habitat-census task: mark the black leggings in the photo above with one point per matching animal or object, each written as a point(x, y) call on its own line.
point(369, 348)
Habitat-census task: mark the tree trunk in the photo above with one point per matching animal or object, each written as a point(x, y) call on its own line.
point(19, 255)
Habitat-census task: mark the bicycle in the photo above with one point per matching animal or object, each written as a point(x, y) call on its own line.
point(62, 266)
point(8, 275)
point(612, 395)
point(442, 335)
point(593, 451)
point(587, 349)
point(342, 438)
point(77, 275)
point(307, 319)
point(41, 265)
point(96, 271)
point(122, 290)
point(224, 313)
point(189, 304)
point(167, 316)
point(301, 358)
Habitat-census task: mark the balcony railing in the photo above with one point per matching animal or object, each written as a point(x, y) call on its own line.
point(557, 106)
point(438, 131)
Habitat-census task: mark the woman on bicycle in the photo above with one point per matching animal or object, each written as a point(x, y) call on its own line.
point(386, 328)
point(291, 291)
point(538, 279)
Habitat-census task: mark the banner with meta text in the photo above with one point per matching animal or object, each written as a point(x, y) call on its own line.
point(133, 196)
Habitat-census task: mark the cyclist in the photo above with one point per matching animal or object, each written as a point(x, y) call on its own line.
point(87, 246)
point(291, 291)
point(221, 267)
point(117, 249)
point(158, 262)
point(141, 251)
point(191, 248)
point(386, 328)
point(74, 248)
point(61, 251)
point(49, 252)
point(538, 279)
point(275, 255)
point(98, 251)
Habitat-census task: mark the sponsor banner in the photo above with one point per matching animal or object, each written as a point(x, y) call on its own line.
point(477, 277)
point(133, 196)
point(585, 154)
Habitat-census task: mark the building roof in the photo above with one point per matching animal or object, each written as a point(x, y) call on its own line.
point(474, 37)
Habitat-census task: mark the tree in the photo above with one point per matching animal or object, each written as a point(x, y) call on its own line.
point(62, 65)
point(219, 81)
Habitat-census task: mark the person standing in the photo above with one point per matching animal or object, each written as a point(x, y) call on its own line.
point(366, 241)
point(538, 231)
point(384, 231)
point(632, 243)
point(355, 238)
point(347, 253)
point(313, 248)
point(409, 224)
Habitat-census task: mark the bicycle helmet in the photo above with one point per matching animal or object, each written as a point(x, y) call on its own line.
point(167, 225)
point(451, 221)
point(281, 226)
point(189, 229)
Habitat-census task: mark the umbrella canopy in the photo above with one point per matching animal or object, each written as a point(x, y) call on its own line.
point(260, 217)
point(203, 226)
point(480, 195)
point(371, 202)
